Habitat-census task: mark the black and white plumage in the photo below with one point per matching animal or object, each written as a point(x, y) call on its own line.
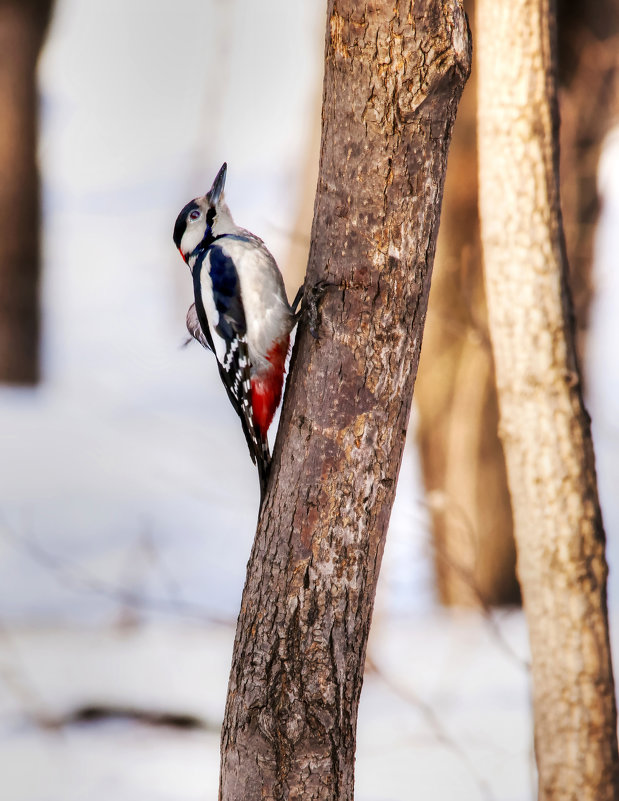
point(241, 312)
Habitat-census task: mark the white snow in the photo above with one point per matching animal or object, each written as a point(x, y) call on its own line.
point(445, 707)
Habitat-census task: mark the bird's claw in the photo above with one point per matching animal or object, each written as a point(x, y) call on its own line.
point(309, 305)
point(316, 294)
point(295, 303)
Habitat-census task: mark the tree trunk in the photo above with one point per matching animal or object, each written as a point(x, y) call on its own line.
point(543, 423)
point(22, 28)
point(462, 457)
point(461, 454)
point(393, 76)
point(589, 81)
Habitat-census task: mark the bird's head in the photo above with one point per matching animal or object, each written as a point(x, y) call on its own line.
point(203, 218)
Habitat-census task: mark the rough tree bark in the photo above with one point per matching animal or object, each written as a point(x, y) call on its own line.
point(393, 76)
point(543, 423)
point(22, 27)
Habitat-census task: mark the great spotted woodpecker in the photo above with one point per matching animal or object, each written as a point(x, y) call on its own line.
point(241, 312)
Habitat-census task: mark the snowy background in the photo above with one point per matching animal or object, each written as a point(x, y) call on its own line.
point(127, 500)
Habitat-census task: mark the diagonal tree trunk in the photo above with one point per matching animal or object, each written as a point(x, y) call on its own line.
point(394, 74)
point(543, 423)
point(22, 27)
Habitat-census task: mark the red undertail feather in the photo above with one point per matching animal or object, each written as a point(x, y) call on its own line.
point(266, 388)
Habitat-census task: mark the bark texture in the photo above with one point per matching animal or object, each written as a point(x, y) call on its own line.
point(393, 76)
point(543, 423)
point(22, 27)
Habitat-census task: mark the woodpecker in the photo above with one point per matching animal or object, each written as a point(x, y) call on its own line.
point(241, 312)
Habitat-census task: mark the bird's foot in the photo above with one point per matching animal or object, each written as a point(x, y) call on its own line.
point(309, 305)
point(295, 303)
point(316, 294)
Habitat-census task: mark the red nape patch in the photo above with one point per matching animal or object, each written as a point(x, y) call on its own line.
point(266, 388)
point(182, 257)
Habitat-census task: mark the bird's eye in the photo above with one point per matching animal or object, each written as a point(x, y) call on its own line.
point(195, 214)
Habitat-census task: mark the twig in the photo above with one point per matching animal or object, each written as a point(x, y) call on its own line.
point(77, 579)
point(433, 723)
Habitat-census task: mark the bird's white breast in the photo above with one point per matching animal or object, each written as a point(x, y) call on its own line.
point(267, 313)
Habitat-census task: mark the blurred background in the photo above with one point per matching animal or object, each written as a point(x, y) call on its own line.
point(127, 499)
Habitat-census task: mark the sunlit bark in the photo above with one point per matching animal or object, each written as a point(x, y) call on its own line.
point(543, 423)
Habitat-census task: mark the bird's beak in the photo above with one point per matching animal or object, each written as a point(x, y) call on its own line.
point(216, 191)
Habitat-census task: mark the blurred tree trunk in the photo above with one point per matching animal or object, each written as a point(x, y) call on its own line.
point(462, 457)
point(543, 423)
point(461, 454)
point(22, 27)
point(589, 80)
point(393, 76)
